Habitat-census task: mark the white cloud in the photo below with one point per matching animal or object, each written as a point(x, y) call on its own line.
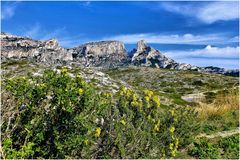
point(234, 39)
point(227, 57)
point(207, 52)
point(8, 9)
point(206, 12)
point(172, 39)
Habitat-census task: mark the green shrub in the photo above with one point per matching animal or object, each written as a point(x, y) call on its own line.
point(63, 117)
point(187, 126)
point(204, 149)
point(230, 147)
point(225, 148)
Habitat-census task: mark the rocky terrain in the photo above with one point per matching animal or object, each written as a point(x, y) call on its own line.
point(105, 54)
point(148, 56)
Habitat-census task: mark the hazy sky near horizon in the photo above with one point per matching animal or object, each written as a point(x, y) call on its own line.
point(201, 33)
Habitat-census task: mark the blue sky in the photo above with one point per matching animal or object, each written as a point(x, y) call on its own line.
point(200, 33)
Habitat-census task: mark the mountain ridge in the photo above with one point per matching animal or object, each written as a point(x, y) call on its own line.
point(106, 54)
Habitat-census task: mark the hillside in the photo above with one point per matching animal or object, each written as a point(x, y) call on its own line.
point(95, 101)
point(214, 109)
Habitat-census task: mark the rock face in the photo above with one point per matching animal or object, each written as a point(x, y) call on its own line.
point(14, 47)
point(147, 56)
point(98, 54)
point(105, 54)
point(217, 70)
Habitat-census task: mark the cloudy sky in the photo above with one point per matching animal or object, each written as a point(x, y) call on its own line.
point(200, 33)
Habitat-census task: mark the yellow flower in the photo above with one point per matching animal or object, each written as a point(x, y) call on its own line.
point(97, 132)
point(83, 83)
point(134, 103)
point(153, 120)
point(149, 117)
point(86, 142)
point(107, 95)
point(147, 98)
point(64, 71)
point(175, 119)
point(123, 122)
point(171, 129)
point(123, 91)
point(156, 128)
point(134, 97)
point(172, 112)
point(156, 100)
point(80, 91)
point(129, 93)
point(171, 146)
point(148, 93)
point(173, 153)
point(177, 142)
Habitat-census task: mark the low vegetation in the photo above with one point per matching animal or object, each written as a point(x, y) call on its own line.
point(220, 114)
point(58, 116)
point(226, 148)
point(132, 112)
point(223, 103)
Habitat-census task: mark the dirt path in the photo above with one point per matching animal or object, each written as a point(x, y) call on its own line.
point(194, 97)
point(222, 134)
point(197, 97)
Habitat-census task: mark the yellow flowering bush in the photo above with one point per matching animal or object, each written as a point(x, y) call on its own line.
point(171, 129)
point(156, 100)
point(80, 91)
point(97, 132)
point(123, 122)
point(65, 117)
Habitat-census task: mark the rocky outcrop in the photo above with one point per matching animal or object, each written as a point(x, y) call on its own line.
point(103, 53)
point(98, 54)
point(106, 54)
point(147, 56)
point(14, 47)
point(217, 70)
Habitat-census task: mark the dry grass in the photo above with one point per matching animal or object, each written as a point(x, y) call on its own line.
point(222, 104)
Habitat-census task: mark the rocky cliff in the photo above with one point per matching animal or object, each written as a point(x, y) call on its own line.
point(147, 56)
point(106, 54)
point(14, 47)
point(101, 54)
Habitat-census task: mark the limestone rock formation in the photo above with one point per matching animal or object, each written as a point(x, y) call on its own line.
point(106, 54)
point(217, 70)
point(14, 47)
point(147, 56)
point(103, 53)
